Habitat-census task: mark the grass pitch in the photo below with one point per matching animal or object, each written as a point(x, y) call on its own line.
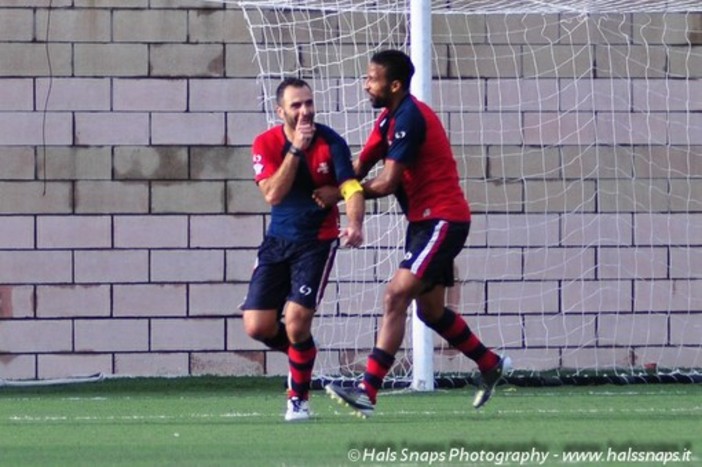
point(239, 421)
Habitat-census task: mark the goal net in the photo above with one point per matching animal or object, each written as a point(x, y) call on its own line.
point(577, 128)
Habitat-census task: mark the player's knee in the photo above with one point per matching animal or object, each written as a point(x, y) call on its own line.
point(395, 300)
point(259, 330)
point(298, 333)
point(298, 322)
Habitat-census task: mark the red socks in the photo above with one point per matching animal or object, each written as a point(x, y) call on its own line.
point(379, 363)
point(455, 330)
point(301, 357)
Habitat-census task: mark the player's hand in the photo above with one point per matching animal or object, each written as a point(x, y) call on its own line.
point(304, 132)
point(351, 236)
point(326, 196)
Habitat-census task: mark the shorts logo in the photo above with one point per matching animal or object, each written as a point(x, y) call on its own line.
point(400, 134)
point(305, 290)
point(408, 256)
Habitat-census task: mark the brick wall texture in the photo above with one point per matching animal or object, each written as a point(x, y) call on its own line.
point(129, 220)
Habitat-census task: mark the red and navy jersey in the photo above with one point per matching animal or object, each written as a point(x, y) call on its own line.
point(327, 161)
point(414, 136)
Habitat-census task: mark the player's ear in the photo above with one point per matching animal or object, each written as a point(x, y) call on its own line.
point(279, 111)
point(396, 86)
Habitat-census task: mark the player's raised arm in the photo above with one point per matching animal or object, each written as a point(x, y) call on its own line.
point(296, 109)
point(277, 186)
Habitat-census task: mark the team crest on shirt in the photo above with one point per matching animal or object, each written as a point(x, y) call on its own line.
point(257, 165)
point(323, 168)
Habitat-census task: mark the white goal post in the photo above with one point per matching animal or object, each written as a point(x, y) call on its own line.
point(420, 50)
point(577, 127)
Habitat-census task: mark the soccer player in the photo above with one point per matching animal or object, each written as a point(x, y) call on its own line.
point(420, 170)
point(297, 252)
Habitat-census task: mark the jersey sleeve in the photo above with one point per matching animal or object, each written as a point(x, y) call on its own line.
point(376, 146)
point(408, 136)
point(264, 158)
point(341, 157)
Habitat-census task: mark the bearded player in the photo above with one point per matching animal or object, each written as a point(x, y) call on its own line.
point(290, 161)
point(420, 170)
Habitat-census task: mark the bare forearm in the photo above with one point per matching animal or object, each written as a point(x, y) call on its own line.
point(355, 209)
point(276, 187)
point(377, 188)
point(352, 234)
point(387, 181)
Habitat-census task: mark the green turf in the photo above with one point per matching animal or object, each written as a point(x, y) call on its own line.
point(238, 421)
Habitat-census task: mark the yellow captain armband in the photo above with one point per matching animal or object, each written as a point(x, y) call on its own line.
point(349, 188)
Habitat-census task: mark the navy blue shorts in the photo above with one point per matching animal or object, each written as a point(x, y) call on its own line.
point(290, 271)
point(430, 248)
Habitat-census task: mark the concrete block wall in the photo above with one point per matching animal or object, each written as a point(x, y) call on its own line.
point(129, 221)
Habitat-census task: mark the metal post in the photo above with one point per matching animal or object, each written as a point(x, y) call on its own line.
point(420, 51)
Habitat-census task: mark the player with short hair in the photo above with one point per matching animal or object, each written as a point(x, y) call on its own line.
point(295, 258)
point(419, 168)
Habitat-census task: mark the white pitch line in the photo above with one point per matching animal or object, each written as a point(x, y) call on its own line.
point(235, 415)
point(92, 418)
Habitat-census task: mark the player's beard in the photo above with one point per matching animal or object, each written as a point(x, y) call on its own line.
point(380, 100)
point(377, 102)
